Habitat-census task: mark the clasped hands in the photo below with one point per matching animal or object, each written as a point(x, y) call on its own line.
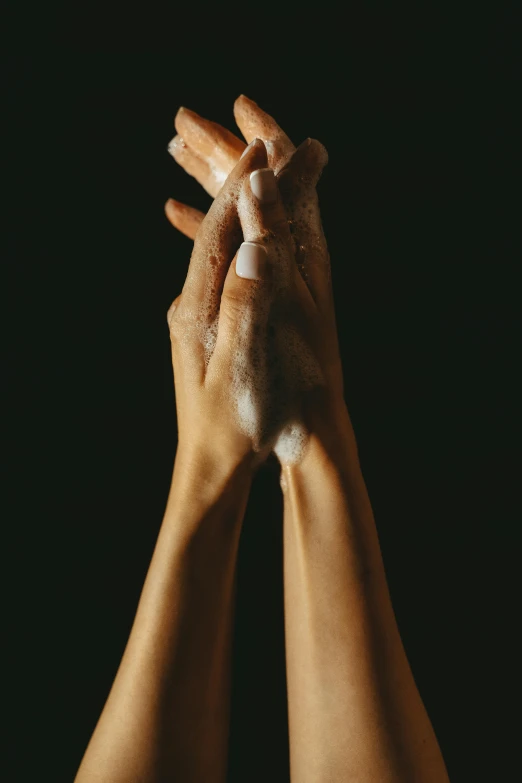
point(254, 340)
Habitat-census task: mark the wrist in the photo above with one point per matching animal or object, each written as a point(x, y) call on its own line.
point(211, 473)
point(331, 439)
point(202, 482)
point(214, 458)
point(327, 483)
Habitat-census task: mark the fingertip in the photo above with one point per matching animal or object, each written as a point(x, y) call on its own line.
point(190, 113)
point(263, 185)
point(183, 117)
point(176, 146)
point(249, 147)
point(184, 218)
point(304, 167)
point(173, 214)
point(169, 206)
point(178, 115)
point(319, 151)
point(244, 99)
point(255, 156)
point(246, 114)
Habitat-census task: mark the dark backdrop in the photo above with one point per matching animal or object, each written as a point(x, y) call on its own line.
point(418, 116)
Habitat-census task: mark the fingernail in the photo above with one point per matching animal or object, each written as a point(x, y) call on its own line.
point(264, 186)
point(247, 148)
point(251, 260)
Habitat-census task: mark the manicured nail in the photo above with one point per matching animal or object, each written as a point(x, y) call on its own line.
point(264, 186)
point(247, 148)
point(251, 260)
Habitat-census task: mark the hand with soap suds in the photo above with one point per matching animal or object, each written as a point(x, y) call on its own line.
point(248, 349)
point(208, 152)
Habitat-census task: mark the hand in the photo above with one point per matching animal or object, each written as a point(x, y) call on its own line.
point(208, 152)
point(249, 350)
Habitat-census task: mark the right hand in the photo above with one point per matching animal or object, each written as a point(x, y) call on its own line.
point(248, 394)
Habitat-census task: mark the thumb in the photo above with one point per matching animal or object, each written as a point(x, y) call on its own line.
point(247, 290)
point(267, 252)
point(247, 293)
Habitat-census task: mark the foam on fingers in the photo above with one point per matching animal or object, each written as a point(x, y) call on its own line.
point(216, 145)
point(217, 240)
point(297, 183)
point(271, 366)
point(186, 219)
point(253, 121)
point(209, 176)
point(269, 362)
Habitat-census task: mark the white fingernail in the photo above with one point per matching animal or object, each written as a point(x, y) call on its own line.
point(247, 148)
point(251, 260)
point(263, 185)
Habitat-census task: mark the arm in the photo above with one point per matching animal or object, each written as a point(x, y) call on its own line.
point(166, 717)
point(167, 713)
point(354, 710)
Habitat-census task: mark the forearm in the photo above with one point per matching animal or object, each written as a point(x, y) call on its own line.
point(167, 713)
point(354, 709)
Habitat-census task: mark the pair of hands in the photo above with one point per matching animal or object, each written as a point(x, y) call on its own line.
point(256, 361)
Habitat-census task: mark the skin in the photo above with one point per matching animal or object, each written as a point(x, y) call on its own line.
point(355, 712)
point(297, 173)
point(166, 717)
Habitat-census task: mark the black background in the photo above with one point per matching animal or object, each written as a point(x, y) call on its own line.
point(417, 113)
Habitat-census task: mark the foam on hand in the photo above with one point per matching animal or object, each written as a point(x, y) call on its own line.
point(272, 365)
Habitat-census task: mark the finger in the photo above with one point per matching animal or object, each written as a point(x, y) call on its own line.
point(264, 260)
point(210, 177)
point(186, 219)
point(217, 239)
point(262, 215)
point(305, 166)
point(297, 181)
point(253, 122)
point(211, 142)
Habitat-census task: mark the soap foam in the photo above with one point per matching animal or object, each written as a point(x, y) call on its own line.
point(272, 366)
point(203, 324)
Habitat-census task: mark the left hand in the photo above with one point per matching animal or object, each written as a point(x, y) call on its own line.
point(208, 152)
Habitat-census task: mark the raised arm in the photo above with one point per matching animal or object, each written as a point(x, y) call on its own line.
point(166, 717)
point(354, 710)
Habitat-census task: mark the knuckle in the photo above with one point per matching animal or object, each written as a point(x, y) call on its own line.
point(173, 314)
point(232, 310)
point(232, 303)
